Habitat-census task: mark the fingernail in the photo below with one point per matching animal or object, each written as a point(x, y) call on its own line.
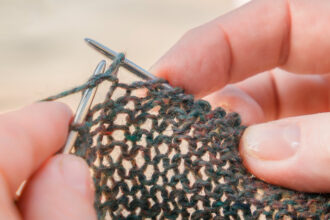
point(76, 175)
point(271, 141)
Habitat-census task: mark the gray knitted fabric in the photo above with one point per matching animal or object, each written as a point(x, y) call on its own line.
point(168, 156)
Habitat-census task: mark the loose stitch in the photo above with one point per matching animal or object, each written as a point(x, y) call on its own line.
point(166, 155)
point(94, 81)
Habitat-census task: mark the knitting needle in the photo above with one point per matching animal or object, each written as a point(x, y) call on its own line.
point(82, 110)
point(127, 64)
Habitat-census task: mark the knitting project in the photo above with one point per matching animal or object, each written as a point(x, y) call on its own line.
point(168, 156)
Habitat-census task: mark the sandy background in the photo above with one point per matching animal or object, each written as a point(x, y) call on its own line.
point(42, 51)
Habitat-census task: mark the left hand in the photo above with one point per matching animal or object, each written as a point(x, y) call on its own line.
point(58, 187)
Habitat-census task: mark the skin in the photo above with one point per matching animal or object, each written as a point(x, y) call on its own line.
point(58, 187)
point(267, 60)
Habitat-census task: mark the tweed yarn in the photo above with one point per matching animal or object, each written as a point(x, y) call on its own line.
point(168, 156)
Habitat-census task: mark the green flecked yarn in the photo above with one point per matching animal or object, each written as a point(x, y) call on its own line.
point(168, 156)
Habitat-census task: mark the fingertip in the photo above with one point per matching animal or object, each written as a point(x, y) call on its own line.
point(29, 136)
point(166, 68)
point(61, 189)
point(289, 152)
point(76, 174)
point(47, 124)
point(63, 109)
point(158, 70)
point(56, 115)
point(195, 62)
point(233, 99)
point(57, 109)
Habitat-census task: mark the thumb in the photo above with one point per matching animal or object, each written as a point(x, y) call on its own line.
point(61, 189)
point(292, 152)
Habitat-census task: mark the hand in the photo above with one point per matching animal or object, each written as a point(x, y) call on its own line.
point(58, 187)
point(230, 62)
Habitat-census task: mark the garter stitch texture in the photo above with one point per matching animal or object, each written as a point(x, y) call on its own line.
point(168, 156)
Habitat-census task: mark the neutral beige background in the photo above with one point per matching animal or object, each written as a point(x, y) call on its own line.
point(42, 50)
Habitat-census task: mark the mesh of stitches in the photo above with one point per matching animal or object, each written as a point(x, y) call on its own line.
point(166, 155)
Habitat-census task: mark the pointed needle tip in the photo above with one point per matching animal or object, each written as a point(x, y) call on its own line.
point(102, 62)
point(87, 39)
point(90, 41)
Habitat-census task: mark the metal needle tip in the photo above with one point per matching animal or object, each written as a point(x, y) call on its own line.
point(127, 64)
point(83, 108)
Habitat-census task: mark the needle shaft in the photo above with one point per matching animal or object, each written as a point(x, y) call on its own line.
point(83, 109)
point(127, 64)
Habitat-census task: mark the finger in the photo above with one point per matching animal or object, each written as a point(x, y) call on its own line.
point(8, 210)
point(273, 95)
point(233, 99)
point(292, 152)
point(254, 38)
point(28, 137)
point(61, 189)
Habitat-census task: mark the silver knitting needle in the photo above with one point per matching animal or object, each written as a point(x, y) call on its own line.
point(127, 64)
point(82, 110)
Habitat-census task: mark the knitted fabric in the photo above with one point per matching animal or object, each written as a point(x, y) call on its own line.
point(168, 156)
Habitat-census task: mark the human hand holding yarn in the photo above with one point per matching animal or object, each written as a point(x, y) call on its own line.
point(230, 62)
point(58, 187)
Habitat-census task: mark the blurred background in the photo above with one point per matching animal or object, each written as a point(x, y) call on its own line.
point(42, 51)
